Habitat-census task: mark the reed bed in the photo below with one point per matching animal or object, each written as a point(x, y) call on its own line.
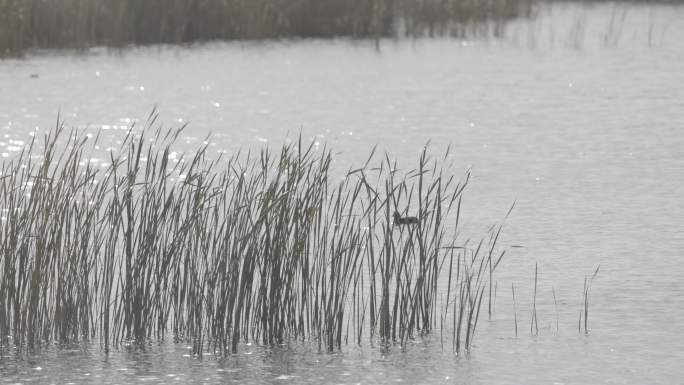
point(262, 246)
point(30, 24)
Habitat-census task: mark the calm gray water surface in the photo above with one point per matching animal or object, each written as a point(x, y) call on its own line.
point(578, 116)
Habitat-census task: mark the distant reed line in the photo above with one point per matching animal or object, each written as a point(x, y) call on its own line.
point(262, 246)
point(36, 24)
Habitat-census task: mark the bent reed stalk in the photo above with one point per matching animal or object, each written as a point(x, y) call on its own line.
point(263, 246)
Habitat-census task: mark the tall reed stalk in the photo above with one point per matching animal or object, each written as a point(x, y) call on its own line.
point(584, 312)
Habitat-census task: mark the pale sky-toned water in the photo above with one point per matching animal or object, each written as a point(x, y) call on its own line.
point(577, 116)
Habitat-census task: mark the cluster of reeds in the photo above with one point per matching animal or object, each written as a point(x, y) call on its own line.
point(534, 320)
point(472, 282)
point(263, 246)
point(26, 24)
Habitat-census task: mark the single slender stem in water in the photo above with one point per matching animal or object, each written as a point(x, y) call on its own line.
point(515, 311)
point(555, 304)
point(534, 328)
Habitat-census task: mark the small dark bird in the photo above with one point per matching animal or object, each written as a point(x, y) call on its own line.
point(399, 220)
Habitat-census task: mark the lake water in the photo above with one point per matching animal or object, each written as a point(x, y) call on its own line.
point(577, 116)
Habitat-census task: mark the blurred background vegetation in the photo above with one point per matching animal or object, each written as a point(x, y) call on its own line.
point(36, 24)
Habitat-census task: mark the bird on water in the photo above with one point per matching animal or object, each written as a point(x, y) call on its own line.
point(399, 220)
